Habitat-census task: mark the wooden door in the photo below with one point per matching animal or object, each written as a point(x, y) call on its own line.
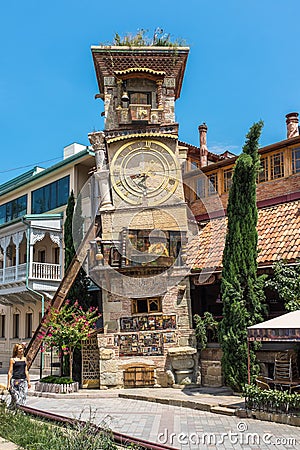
point(139, 377)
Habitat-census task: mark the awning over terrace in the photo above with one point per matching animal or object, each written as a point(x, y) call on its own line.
point(285, 328)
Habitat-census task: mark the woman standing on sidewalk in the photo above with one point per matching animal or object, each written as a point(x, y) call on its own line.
point(18, 380)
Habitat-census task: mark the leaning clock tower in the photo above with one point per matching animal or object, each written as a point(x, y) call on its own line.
point(138, 257)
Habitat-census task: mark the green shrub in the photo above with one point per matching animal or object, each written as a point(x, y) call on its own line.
point(56, 380)
point(272, 401)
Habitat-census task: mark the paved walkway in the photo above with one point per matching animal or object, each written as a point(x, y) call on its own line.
point(6, 445)
point(181, 428)
point(163, 420)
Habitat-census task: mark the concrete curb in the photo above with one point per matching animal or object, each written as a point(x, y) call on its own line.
point(201, 406)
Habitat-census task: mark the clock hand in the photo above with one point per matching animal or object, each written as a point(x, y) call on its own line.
point(142, 182)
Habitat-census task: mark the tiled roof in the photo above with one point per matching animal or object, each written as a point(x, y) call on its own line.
point(278, 238)
point(109, 59)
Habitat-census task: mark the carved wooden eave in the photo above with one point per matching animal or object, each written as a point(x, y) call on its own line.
point(144, 132)
point(171, 61)
point(140, 72)
point(141, 135)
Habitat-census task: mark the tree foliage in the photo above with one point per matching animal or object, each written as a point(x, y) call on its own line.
point(203, 326)
point(73, 228)
point(242, 290)
point(68, 327)
point(68, 235)
point(286, 283)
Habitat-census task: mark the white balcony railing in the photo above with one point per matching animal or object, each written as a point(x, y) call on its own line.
point(46, 271)
point(43, 271)
point(13, 273)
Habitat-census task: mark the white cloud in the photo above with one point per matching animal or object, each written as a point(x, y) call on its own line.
point(221, 148)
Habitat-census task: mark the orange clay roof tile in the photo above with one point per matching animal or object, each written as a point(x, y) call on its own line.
point(278, 238)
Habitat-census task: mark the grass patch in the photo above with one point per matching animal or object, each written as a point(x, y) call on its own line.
point(36, 434)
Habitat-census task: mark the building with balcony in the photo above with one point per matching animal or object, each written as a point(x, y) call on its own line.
point(207, 186)
point(32, 213)
point(160, 225)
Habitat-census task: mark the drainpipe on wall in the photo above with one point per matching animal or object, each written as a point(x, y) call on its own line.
point(32, 290)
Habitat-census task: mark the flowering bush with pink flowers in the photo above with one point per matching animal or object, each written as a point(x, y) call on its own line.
point(68, 327)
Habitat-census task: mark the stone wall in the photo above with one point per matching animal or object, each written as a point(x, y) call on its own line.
point(210, 363)
point(113, 362)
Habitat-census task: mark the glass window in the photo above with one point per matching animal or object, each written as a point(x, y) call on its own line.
point(63, 190)
point(2, 326)
point(263, 173)
point(13, 209)
point(2, 214)
point(212, 183)
point(9, 211)
point(296, 160)
point(227, 179)
point(201, 187)
point(51, 196)
point(277, 170)
point(194, 165)
point(38, 204)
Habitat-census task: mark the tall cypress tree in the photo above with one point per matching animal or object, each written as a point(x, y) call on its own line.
point(68, 236)
point(242, 290)
point(79, 289)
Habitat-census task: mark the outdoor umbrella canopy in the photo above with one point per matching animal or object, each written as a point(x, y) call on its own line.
point(283, 328)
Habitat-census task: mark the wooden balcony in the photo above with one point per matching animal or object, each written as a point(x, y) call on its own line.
point(39, 271)
point(13, 274)
point(46, 271)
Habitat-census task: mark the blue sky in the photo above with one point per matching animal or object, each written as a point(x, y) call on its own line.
point(243, 66)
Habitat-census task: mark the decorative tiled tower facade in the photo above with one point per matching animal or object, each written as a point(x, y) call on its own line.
point(138, 257)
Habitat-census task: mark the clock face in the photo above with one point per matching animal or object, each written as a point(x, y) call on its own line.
point(144, 172)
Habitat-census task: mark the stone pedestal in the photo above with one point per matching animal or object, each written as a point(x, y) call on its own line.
point(211, 369)
point(183, 364)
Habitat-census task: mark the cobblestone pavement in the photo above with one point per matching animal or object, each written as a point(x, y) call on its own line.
point(192, 429)
point(156, 422)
